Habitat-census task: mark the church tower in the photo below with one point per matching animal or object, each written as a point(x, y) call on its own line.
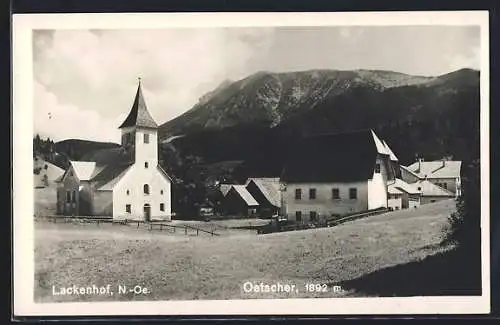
point(140, 133)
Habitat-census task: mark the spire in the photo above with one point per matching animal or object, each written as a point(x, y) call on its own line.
point(139, 115)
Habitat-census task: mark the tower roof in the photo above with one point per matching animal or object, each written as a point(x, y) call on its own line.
point(139, 115)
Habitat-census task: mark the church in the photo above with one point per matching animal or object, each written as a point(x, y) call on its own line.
point(125, 182)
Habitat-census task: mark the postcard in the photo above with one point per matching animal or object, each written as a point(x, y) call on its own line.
point(251, 163)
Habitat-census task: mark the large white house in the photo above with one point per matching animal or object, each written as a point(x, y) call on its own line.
point(126, 182)
point(336, 174)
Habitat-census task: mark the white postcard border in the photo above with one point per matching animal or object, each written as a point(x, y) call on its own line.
point(23, 228)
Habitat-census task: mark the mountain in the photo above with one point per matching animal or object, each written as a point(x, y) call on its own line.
point(272, 98)
point(258, 119)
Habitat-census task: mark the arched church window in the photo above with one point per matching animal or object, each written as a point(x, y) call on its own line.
point(146, 189)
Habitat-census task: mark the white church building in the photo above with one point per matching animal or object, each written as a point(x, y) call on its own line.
point(125, 182)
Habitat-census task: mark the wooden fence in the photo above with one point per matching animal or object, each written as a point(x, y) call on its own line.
point(153, 225)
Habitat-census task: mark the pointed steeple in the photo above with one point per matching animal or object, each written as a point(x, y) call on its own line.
point(139, 115)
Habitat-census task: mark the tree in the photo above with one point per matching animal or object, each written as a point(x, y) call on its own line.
point(466, 221)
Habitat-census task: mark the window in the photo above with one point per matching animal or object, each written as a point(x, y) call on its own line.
point(146, 189)
point(146, 165)
point(298, 216)
point(335, 194)
point(162, 207)
point(445, 186)
point(73, 197)
point(353, 193)
point(419, 188)
point(312, 194)
point(128, 192)
point(146, 138)
point(377, 168)
point(161, 192)
point(313, 216)
point(298, 194)
point(68, 196)
point(128, 208)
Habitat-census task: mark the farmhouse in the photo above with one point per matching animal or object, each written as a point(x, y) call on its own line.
point(336, 174)
point(430, 193)
point(443, 173)
point(125, 183)
point(238, 202)
point(401, 195)
point(266, 192)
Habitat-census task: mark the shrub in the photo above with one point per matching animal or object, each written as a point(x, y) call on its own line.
point(465, 223)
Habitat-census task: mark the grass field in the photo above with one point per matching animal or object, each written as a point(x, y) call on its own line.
point(45, 201)
point(179, 267)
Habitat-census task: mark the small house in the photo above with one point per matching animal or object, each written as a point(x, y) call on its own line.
point(238, 202)
point(266, 192)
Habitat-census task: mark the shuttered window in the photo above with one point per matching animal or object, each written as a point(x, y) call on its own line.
point(353, 193)
point(298, 194)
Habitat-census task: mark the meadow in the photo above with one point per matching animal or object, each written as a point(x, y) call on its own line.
point(179, 267)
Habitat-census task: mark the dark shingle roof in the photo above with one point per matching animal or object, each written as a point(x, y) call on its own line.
point(139, 115)
point(341, 157)
point(110, 174)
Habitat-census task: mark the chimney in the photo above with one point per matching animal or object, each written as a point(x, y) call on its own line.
point(419, 164)
point(443, 162)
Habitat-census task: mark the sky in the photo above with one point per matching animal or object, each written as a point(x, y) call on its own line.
point(85, 80)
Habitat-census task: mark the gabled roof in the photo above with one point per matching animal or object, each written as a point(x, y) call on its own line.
point(224, 188)
point(83, 169)
point(109, 176)
point(139, 115)
point(341, 157)
point(392, 156)
point(429, 189)
point(381, 148)
point(437, 169)
point(164, 173)
point(409, 171)
point(394, 190)
point(269, 187)
point(401, 185)
point(245, 195)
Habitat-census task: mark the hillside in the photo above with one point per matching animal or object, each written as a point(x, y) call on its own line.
point(272, 98)
point(218, 266)
point(45, 173)
point(75, 149)
point(258, 119)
